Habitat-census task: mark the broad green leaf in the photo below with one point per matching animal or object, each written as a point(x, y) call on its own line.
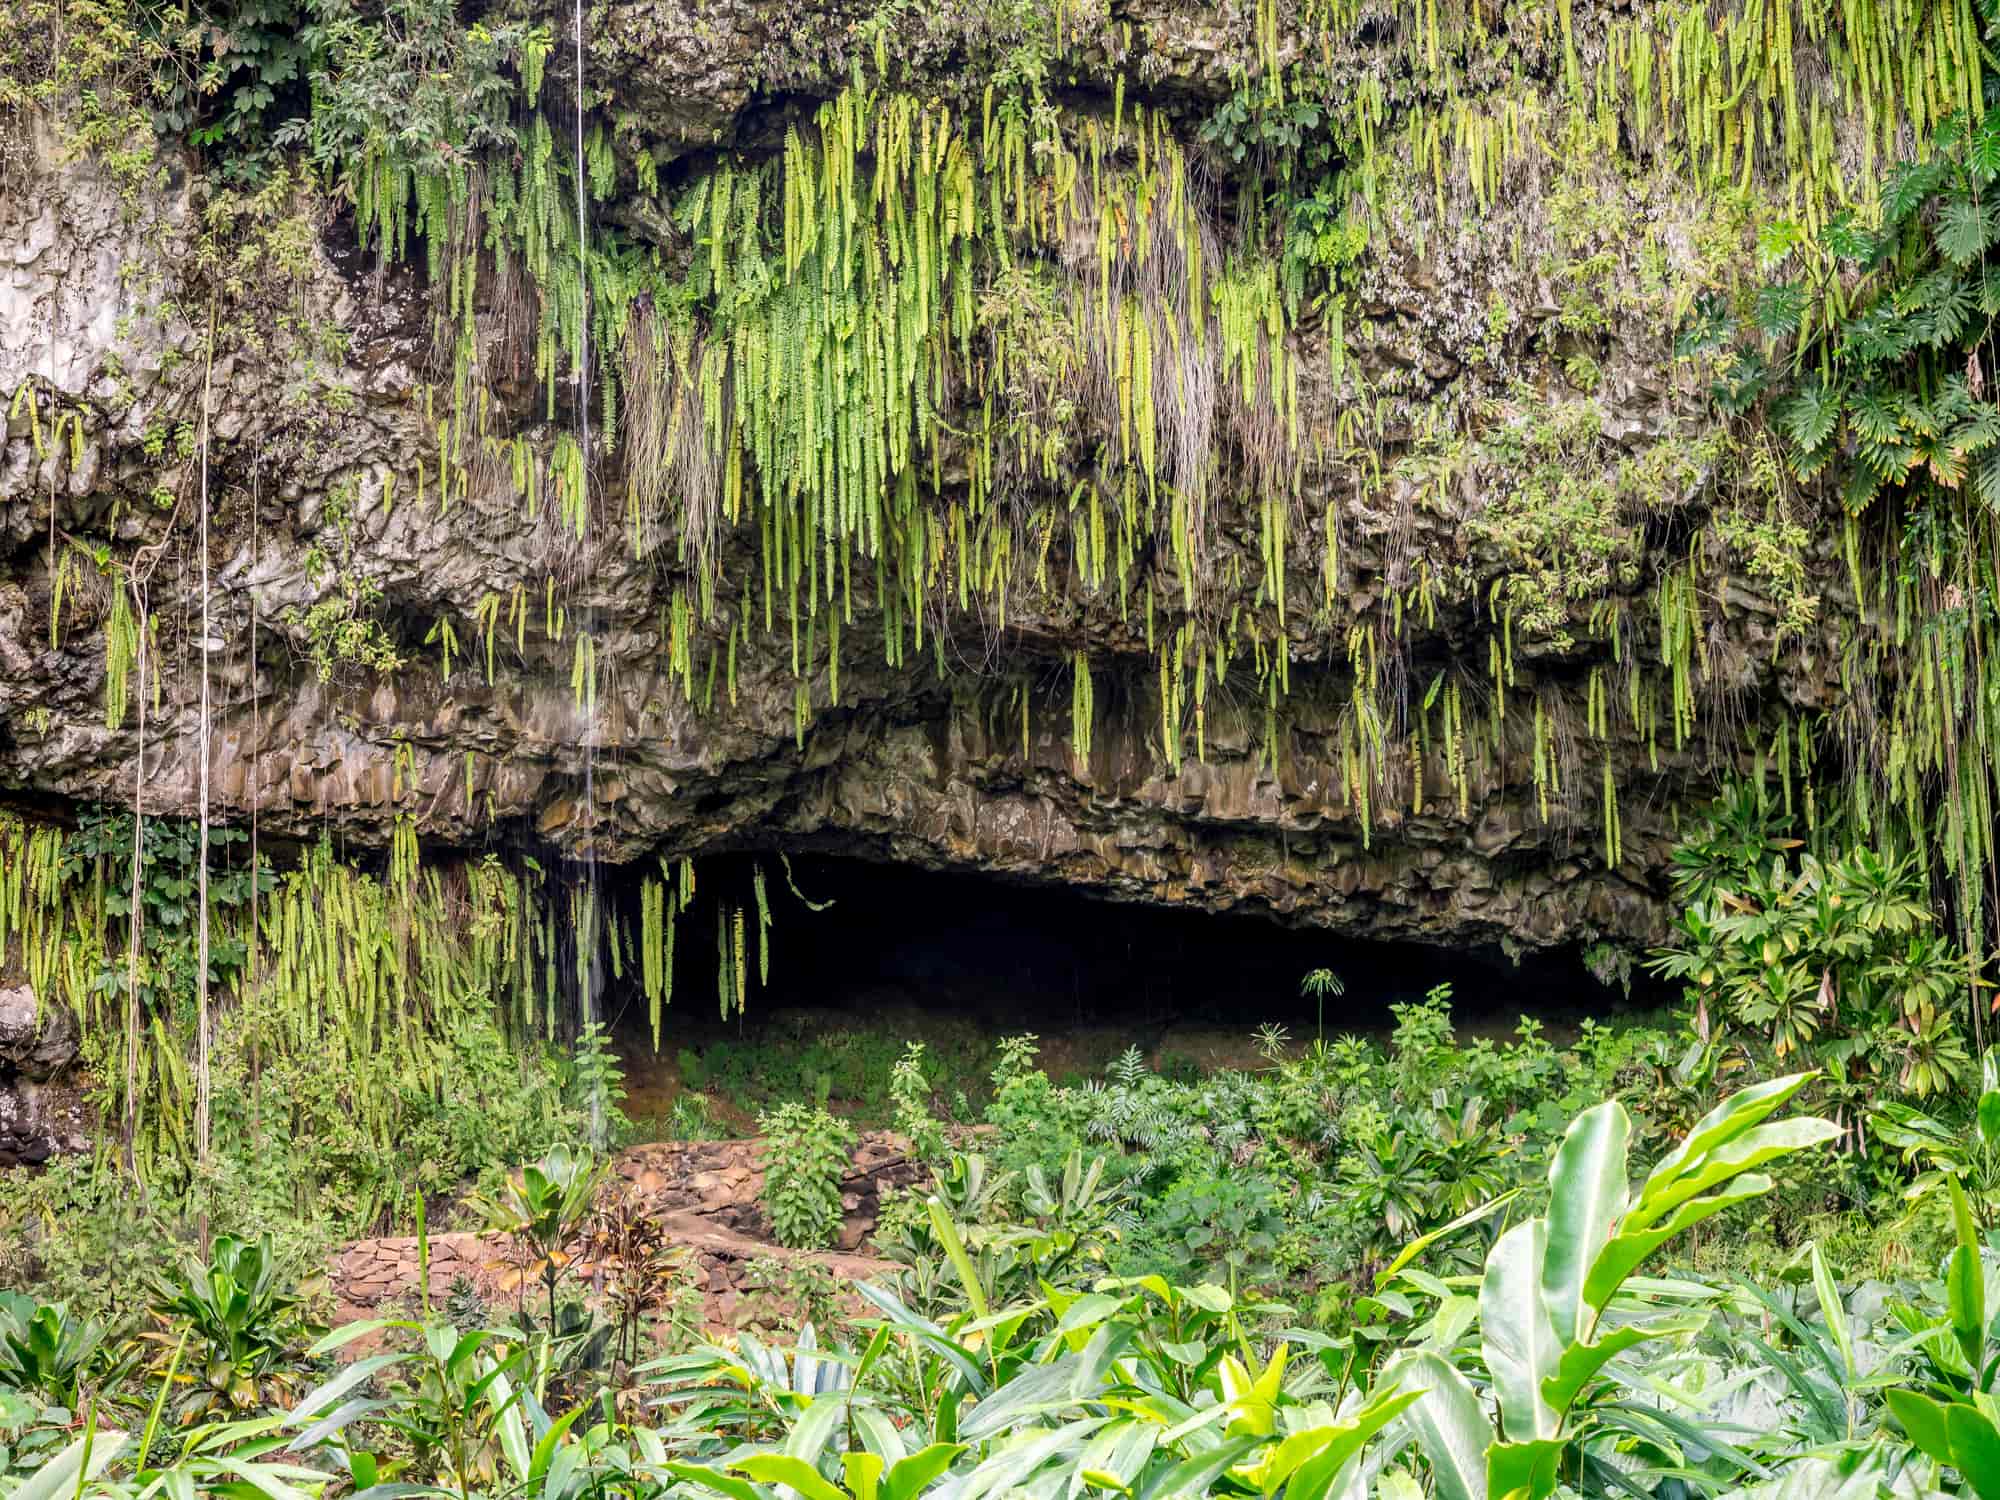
point(1778, 310)
point(1587, 1194)
point(782, 1468)
point(1729, 1119)
point(507, 1419)
point(267, 1478)
point(1924, 1420)
point(862, 1473)
point(347, 1333)
point(325, 1394)
point(1975, 1448)
point(1750, 1149)
point(1963, 231)
point(1833, 1312)
point(954, 1248)
point(75, 1467)
point(1965, 1279)
point(1193, 1475)
point(1207, 1296)
point(811, 1432)
point(1523, 1471)
point(337, 1419)
point(1450, 1424)
point(715, 1479)
point(1580, 1362)
point(1088, 1311)
point(1317, 1474)
point(1423, 1242)
point(1989, 1117)
point(1629, 1249)
point(1006, 1470)
point(1808, 417)
point(1520, 1342)
point(879, 1435)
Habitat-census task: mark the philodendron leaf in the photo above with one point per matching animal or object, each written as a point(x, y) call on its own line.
point(1587, 1195)
point(1520, 1343)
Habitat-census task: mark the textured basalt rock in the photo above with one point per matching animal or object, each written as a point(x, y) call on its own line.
point(39, 1116)
point(909, 766)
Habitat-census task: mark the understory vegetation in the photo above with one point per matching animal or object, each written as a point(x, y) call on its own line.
point(1646, 1259)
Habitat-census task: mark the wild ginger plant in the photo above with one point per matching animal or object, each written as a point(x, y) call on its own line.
point(1549, 1316)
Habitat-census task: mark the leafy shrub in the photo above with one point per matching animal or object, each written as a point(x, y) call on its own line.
point(543, 1207)
point(234, 1325)
point(910, 1091)
point(805, 1156)
point(46, 1351)
point(1834, 957)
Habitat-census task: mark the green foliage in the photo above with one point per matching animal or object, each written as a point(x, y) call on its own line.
point(910, 1092)
point(235, 1326)
point(542, 1207)
point(238, 76)
point(1831, 958)
point(1311, 1172)
point(343, 631)
point(805, 1156)
point(101, 849)
point(46, 1351)
point(1545, 1308)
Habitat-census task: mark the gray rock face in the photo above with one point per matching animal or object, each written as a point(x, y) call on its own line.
point(39, 1121)
point(910, 766)
point(35, 1044)
point(39, 1117)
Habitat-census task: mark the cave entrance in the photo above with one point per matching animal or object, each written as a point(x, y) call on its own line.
point(960, 961)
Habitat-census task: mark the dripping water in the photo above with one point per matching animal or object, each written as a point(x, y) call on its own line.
point(588, 917)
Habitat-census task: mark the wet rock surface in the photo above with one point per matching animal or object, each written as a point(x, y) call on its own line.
point(911, 764)
point(40, 1116)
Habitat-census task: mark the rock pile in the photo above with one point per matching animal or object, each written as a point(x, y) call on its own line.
point(705, 1196)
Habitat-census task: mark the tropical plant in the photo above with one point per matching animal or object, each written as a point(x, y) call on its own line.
point(1829, 957)
point(910, 1093)
point(1949, 1412)
point(45, 1350)
point(1549, 1312)
point(805, 1156)
point(542, 1207)
point(1316, 986)
point(637, 1269)
point(242, 1324)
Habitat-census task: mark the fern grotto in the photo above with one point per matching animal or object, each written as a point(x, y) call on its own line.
point(887, 752)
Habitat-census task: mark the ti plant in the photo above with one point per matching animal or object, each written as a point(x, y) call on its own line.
point(543, 1207)
point(1549, 1313)
point(242, 1325)
point(45, 1350)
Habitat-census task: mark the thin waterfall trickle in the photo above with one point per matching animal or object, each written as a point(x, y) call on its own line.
point(588, 916)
